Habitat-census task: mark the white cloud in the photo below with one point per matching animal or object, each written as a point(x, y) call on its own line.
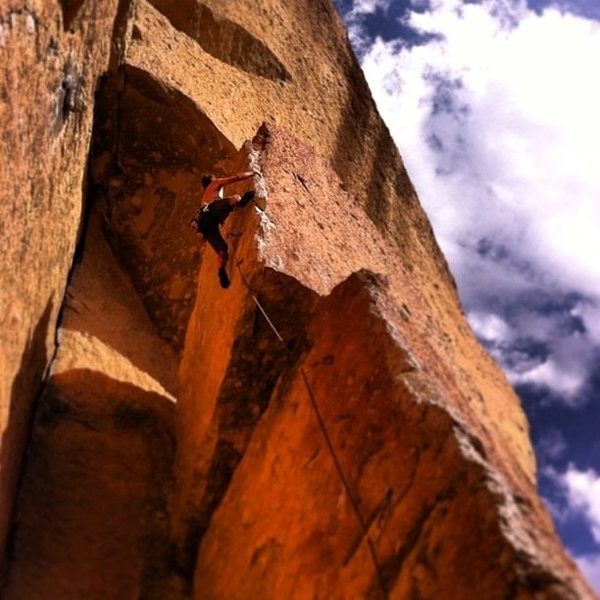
point(369, 6)
point(554, 376)
point(582, 489)
point(522, 155)
point(488, 326)
point(496, 119)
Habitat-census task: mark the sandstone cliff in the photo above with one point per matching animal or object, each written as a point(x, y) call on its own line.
point(162, 439)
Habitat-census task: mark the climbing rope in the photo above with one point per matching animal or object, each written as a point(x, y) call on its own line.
point(328, 442)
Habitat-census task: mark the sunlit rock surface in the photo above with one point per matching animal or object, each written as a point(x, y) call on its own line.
point(159, 439)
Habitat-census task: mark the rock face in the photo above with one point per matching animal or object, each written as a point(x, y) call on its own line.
point(328, 427)
point(92, 521)
point(51, 60)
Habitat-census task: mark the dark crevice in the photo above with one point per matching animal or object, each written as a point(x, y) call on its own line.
point(222, 38)
point(224, 462)
point(117, 47)
point(70, 11)
point(258, 363)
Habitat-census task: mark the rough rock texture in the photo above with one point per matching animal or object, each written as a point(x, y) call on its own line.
point(435, 455)
point(51, 55)
point(173, 450)
point(92, 521)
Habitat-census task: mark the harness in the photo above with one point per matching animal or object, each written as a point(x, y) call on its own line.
point(206, 211)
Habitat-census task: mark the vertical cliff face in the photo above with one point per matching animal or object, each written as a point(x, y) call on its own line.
point(327, 427)
point(434, 455)
point(51, 59)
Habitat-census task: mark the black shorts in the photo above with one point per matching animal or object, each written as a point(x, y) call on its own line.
point(210, 218)
point(209, 228)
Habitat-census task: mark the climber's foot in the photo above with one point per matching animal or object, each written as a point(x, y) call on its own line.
point(224, 278)
point(247, 197)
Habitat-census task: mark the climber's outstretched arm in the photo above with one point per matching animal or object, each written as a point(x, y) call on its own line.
point(233, 179)
point(211, 192)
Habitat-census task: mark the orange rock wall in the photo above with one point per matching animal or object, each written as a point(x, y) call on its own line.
point(259, 505)
point(92, 516)
point(172, 451)
point(50, 60)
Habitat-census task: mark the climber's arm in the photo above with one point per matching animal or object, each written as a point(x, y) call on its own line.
point(211, 193)
point(233, 179)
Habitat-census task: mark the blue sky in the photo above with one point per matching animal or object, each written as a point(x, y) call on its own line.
point(494, 105)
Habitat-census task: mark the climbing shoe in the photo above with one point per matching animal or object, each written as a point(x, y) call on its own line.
point(224, 278)
point(247, 197)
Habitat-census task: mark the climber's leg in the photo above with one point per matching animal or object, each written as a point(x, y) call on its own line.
point(223, 277)
point(215, 239)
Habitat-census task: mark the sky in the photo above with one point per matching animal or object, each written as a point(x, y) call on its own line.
point(494, 105)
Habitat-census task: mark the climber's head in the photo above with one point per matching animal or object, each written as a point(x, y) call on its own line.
point(207, 180)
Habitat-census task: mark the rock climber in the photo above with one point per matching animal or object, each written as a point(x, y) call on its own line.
point(214, 210)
